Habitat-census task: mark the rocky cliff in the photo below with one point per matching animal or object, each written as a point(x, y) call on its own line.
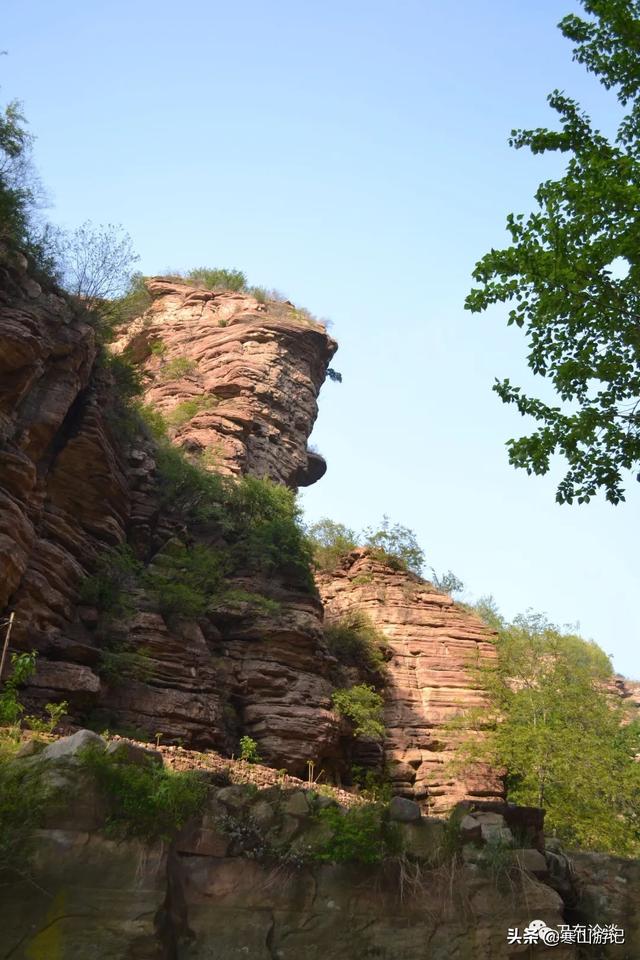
point(251, 371)
point(435, 644)
point(73, 484)
point(248, 875)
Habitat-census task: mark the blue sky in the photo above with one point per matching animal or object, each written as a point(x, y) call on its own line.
point(353, 155)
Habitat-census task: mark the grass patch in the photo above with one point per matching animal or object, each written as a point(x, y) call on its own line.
point(24, 799)
point(109, 587)
point(360, 834)
point(146, 801)
point(184, 580)
point(258, 519)
point(176, 369)
point(355, 642)
point(188, 409)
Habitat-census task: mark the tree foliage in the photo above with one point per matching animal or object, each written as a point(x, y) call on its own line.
point(562, 734)
point(561, 275)
point(391, 543)
point(96, 262)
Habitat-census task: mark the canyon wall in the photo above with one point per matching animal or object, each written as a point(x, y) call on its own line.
point(74, 484)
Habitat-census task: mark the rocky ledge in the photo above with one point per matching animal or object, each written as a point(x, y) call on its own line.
point(258, 873)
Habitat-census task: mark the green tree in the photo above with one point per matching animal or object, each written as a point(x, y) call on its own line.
point(563, 736)
point(330, 542)
point(96, 262)
point(572, 273)
point(395, 545)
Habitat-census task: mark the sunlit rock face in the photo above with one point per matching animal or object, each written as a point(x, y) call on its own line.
point(250, 370)
point(435, 645)
point(72, 486)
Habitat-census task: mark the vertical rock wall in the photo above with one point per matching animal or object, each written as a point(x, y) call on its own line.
point(435, 643)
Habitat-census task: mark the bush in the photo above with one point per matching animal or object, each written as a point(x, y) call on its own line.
point(184, 580)
point(109, 588)
point(122, 310)
point(120, 661)
point(176, 369)
point(184, 412)
point(396, 546)
point(249, 750)
point(360, 834)
point(146, 800)
point(330, 542)
point(392, 544)
point(363, 707)
point(23, 803)
point(55, 711)
point(23, 666)
point(354, 641)
point(218, 279)
point(258, 519)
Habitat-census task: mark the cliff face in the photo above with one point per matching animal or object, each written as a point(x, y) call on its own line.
point(243, 878)
point(251, 370)
point(435, 643)
point(71, 487)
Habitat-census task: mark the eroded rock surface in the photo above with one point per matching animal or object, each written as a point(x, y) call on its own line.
point(435, 644)
point(251, 370)
point(74, 484)
point(243, 878)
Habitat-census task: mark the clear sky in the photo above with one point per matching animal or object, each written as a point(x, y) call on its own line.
point(354, 155)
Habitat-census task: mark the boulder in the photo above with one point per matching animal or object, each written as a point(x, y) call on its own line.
point(532, 861)
point(130, 752)
point(68, 747)
point(403, 810)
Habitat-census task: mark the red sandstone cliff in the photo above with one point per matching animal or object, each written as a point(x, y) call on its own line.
point(254, 369)
point(434, 644)
point(71, 486)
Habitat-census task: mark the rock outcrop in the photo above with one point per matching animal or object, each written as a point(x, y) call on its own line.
point(73, 484)
point(243, 878)
point(435, 644)
point(250, 370)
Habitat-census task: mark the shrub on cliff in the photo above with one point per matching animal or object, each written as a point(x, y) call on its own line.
point(24, 798)
point(216, 278)
point(259, 520)
point(330, 542)
point(360, 834)
point(393, 544)
point(184, 579)
point(146, 800)
point(354, 641)
point(363, 707)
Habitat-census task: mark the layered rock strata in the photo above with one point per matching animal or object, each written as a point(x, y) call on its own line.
point(435, 646)
point(250, 370)
point(72, 486)
point(241, 879)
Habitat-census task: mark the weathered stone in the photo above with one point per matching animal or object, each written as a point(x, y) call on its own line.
point(532, 861)
point(70, 746)
point(297, 804)
point(235, 797)
point(423, 840)
point(494, 833)
point(129, 752)
point(432, 640)
point(404, 810)
point(469, 829)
